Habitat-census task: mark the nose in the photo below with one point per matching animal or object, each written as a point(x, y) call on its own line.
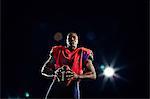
point(72, 39)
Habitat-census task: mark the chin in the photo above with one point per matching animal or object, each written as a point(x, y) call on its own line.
point(73, 47)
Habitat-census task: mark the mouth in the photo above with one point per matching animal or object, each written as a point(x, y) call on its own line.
point(72, 43)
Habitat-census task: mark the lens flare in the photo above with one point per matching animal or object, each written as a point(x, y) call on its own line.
point(27, 94)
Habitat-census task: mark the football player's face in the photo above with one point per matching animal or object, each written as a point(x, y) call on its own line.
point(72, 40)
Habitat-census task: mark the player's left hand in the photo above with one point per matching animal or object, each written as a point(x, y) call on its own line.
point(72, 75)
point(75, 76)
point(69, 74)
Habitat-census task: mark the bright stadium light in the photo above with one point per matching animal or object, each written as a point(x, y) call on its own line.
point(109, 72)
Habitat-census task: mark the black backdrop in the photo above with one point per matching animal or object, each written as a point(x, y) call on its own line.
point(117, 27)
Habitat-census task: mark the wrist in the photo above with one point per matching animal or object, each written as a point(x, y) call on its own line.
point(79, 77)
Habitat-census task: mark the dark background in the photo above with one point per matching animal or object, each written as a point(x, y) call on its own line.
point(115, 27)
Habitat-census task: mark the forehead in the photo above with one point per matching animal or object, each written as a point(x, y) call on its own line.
point(72, 35)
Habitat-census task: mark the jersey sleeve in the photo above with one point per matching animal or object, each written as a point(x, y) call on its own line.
point(55, 51)
point(87, 54)
point(52, 60)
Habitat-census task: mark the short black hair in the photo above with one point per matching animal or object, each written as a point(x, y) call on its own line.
point(72, 33)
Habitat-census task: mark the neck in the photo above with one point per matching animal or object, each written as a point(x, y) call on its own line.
point(71, 48)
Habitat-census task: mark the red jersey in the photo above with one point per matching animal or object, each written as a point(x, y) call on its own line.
point(74, 59)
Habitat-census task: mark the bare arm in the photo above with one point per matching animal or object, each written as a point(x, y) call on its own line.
point(48, 67)
point(91, 74)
